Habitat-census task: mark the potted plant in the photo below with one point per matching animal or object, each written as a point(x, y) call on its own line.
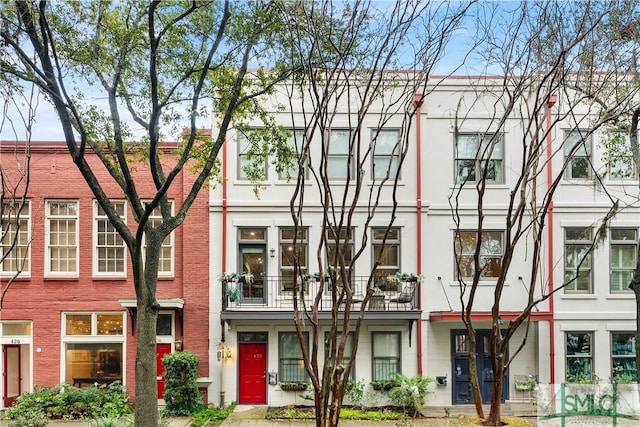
point(527, 383)
point(293, 386)
point(234, 293)
point(410, 277)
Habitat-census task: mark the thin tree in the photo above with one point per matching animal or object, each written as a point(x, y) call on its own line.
point(159, 67)
point(15, 162)
point(543, 77)
point(351, 63)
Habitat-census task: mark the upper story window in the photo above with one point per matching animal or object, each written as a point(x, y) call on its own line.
point(386, 153)
point(339, 247)
point(477, 152)
point(165, 262)
point(491, 253)
point(387, 253)
point(296, 140)
point(110, 251)
point(291, 254)
point(623, 256)
point(15, 238)
point(338, 164)
point(620, 158)
point(577, 259)
point(62, 238)
point(247, 167)
point(577, 155)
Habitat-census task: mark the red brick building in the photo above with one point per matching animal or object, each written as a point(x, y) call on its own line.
point(70, 316)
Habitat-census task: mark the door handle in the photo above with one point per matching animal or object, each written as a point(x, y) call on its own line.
point(159, 378)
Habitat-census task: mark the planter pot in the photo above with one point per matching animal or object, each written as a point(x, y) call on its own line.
point(385, 386)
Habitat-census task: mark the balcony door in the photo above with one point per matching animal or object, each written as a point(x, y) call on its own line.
point(253, 263)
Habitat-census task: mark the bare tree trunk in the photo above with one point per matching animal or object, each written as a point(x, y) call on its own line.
point(473, 371)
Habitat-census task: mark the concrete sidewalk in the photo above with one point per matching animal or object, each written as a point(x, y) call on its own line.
point(175, 422)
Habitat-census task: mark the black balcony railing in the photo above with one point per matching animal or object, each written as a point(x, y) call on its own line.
point(271, 292)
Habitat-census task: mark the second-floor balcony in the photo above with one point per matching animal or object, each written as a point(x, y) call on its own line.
point(273, 294)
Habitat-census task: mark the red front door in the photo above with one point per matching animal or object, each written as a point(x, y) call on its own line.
point(161, 350)
point(252, 373)
point(12, 383)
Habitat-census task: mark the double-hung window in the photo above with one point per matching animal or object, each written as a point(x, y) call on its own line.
point(620, 158)
point(296, 141)
point(293, 251)
point(577, 154)
point(386, 252)
point(579, 356)
point(477, 154)
point(577, 259)
point(348, 349)
point(165, 262)
point(15, 238)
point(110, 251)
point(339, 248)
point(491, 253)
point(62, 238)
point(623, 357)
point(291, 363)
point(623, 255)
point(250, 166)
point(339, 153)
point(386, 355)
point(386, 153)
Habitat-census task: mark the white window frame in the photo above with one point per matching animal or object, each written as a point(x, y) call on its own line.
point(620, 162)
point(244, 144)
point(585, 267)
point(393, 242)
point(168, 242)
point(74, 262)
point(385, 353)
point(474, 157)
point(341, 155)
point(297, 142)
point(619, 270)
point(386, 161)
point(93, 338)
point(96, 261)
point(579, 355)
point(23, 242)
point(287, 245)
point(571, 138)
point(282, 373)
point(484, 255)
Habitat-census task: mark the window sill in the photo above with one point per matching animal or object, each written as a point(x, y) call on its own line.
point(166, 278)
point(110, 278)
point(21, 278)
point(471, 185)
point(61, 278)
point(621, 295)
point(578, 296)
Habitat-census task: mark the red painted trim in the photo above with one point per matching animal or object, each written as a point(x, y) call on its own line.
point(418, 99)
point(456, 316)
point(550, 263)
point(224, 207)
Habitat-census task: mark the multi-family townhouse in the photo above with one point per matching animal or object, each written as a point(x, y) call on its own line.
point(254, 333)
point(258, 352)
point(595, 316)
point(70, 316)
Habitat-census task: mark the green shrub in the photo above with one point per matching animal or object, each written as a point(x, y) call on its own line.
point(204, 416)
point(410, 392)
point(355, 392)
point(31, 417)
point(181, 389)
point(67, 402)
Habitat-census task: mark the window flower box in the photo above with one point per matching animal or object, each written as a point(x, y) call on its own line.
point(383, 385)
point(293, 386)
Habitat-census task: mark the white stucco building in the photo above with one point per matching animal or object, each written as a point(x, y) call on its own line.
point(584, 329)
